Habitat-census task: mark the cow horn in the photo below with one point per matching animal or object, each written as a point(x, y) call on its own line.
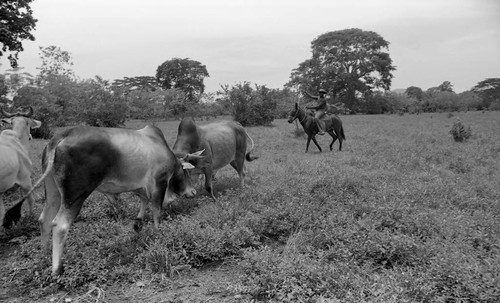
point(28, 113)
point(6, 114)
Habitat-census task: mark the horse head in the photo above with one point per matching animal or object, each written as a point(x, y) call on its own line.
point(294, 113)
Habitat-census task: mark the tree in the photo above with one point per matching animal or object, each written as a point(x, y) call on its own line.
point(184, 74)
point(15, 78)
point(350, 62)
point(414, 92)
point(488, 90)
point(55, 62)
point(44, 106)
point(128, 84)
point(16, 24)
point(446, 86)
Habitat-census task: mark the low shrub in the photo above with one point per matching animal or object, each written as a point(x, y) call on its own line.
point(460, 132)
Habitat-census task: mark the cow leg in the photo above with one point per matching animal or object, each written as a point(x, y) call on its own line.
point(50, 209)
point(2, 213)
point(156, 204)
point(239, 166)
point(72, 198)
point(208, 182)
point(139, 221)
point(26, 188)
point(316, 142)
point(62, 223)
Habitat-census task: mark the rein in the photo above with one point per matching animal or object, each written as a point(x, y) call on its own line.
point(297, 114)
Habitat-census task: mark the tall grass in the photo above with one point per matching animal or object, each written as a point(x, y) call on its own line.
point(403, 214)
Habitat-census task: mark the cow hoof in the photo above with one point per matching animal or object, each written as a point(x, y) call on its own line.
point(138, 224)
point(58, 271)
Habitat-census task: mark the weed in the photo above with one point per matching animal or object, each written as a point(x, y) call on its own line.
point(459, 132)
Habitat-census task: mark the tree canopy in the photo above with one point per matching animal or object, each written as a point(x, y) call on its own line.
point(414, 92)
point(349, 63)
point(16, 24)
point(55, 62)
point(129, 84)
point(184, 74)
point(488, 90)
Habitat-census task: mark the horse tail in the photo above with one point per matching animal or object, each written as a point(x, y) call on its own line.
point(13, 215)
point(249, 157)
point(342, 132)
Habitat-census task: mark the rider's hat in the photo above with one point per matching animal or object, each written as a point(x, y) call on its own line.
point(322, 91)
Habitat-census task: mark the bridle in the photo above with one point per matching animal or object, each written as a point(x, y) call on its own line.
point(296, 116)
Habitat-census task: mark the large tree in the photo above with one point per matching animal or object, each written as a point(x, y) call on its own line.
point(349, 62)
point(16, 23)
point(184, 74)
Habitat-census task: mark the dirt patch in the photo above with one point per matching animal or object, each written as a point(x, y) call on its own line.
point(217, 283)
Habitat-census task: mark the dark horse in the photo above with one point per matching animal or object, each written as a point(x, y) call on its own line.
point(333, 126)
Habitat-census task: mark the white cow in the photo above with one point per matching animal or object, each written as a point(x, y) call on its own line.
point(15, 164)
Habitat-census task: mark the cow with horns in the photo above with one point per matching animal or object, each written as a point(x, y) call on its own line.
point(223, 143)
point(79, 160)
point(15, 163)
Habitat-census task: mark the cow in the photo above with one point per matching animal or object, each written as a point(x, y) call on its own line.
point(79, 160)
point(223, 143)
point(15, 163)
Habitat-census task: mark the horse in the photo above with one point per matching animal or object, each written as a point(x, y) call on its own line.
point(333, 126)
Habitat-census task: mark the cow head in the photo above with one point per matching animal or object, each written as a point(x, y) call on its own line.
point(21, 122)
point(180, 183)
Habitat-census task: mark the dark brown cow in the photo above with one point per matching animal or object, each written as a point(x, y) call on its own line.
point(223, 143)
point(111, 160)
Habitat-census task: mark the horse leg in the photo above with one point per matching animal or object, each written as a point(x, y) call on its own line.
point(334, 139)
point(340, 133)
point(316, 142)
point(308, 142)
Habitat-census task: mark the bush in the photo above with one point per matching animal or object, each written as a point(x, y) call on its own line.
point(98, 106)
point(495, 105)
point(250, 106)
point(460, 132)
point(44, 107)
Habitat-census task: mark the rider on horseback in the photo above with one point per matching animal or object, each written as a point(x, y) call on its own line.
point(320, 108)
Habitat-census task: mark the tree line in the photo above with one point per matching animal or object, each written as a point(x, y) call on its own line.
point(353, 65)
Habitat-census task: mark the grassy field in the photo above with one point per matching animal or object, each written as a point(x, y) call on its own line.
point(402, 214)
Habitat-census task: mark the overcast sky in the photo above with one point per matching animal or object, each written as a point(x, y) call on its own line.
point(262, 41)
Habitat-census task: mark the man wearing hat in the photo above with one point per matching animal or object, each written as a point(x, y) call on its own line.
point(320, 108)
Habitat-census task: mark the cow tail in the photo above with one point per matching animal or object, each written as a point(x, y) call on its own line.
point(248, 156)
point(13, 215)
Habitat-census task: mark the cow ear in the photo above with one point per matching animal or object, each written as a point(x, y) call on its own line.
point(187, 165)
point(35, 123)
